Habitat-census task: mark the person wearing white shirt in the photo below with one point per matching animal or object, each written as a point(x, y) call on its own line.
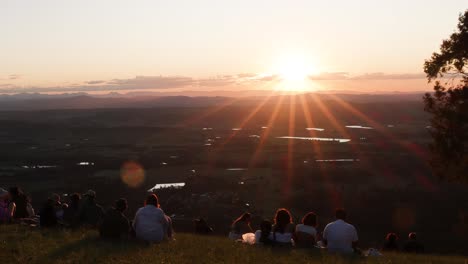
point(339, 236)
point(151, 224)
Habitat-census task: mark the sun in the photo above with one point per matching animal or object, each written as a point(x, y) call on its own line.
point(294, 72)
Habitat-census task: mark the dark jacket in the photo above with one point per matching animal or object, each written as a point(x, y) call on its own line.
point(114, 225)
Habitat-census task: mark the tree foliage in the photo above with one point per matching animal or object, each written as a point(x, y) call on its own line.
point(448, 104)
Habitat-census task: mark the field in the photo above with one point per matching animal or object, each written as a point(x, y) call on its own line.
point(381, 175)
point(24, 245)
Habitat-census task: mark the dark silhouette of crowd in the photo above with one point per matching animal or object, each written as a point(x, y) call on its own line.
point(151, 224)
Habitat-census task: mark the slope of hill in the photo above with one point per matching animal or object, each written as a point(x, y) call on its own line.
point(24, 245)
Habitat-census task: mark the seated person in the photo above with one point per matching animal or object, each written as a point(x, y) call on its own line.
point(390, 242)
point(115, 225)
point(413, 245)
point(263, 236)
point(7, 207)
point(21, 201)
point(283, 229)
point(70, 214)
point(339, 236)
point(202, 227)
point(90, 213)
point(306, 233)
point(47, 216)
point(150, 223)
point(240, 226)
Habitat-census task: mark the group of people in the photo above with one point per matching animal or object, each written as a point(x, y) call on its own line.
point(338, 236)
point(150, 223)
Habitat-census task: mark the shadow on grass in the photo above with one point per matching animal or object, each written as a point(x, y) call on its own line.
point(91, 249)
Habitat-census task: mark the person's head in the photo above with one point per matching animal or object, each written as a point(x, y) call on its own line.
point(15, 191)
point(265, 227)
point(56, 198)
point(91, 195)
point(282, 219)
point(412, 236)
point(391, 237)
point(340, 213)
point(245, 217)
point(152, 199)
point(310, 219)
point(121, 205)
point(75, 199)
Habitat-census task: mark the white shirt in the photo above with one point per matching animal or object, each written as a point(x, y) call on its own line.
point(150, 224)
point(306, 229)
point(340, 236)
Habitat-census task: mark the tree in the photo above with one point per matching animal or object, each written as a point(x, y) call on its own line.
point(448, 104)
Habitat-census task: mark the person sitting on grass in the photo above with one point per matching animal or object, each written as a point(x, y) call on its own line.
point(240, 226)
point(283, 228)
point(305, 235)
point(413, 245)
point(115, 224)
point(339, 236)
point(70, 214)
point(391, 242)
point(21, 201)
point(201, 227)
point(150, 223)
point(90, 213)
point(263, 236)
point(47, 215)
point(7, 207)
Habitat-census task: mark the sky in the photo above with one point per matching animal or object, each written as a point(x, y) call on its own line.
point(112, 45)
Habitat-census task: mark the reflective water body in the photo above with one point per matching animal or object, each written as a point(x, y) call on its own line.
point(38, 166)
point(176, 185)
point(237, 129)
point(337, 160)
point(254, 136)
point(315, 128)
point(236, 169)
point(359, 127)
point(340, 140)
point(85, 163)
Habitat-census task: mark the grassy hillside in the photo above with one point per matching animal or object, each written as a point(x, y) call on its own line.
point(24, 245)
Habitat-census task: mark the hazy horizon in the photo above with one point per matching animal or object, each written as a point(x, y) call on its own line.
point(106, 46)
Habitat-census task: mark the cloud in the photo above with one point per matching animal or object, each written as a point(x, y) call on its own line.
point(14, 76)
point(95, 82)
point(336, 76)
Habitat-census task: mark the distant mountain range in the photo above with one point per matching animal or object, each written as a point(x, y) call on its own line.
point(37, 101)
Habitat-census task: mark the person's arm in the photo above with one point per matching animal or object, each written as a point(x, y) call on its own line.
point(354, 244)
point(11, 209)
point(325, 236)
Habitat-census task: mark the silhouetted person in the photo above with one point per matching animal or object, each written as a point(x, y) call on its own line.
point(306, 232)
point(263, 236)
point(70, 214)
point(21, 201)
point(90, 212)
point(115, 225)
point(47, 216)
point(240, 226)
point(391, 242)
point(339, 236)
point(413, 245)
point(202, 227)
point(283, 229)
point(150, 223)
point(7, 207)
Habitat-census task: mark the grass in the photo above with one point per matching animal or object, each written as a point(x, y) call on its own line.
point(19, 244)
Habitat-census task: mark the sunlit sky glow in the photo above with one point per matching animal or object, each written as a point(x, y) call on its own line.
point(109, 45)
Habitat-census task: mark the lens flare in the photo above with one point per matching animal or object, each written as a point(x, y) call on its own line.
point(132, 174)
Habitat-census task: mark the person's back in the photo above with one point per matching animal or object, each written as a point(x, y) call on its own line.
point(305, 235)
point(413, 245)
point(91, 213)
point(150, 223)
point(339, 236)
point(115, 225)
point(7, 208)
point(21, 202)
point(47, 217)
point(70, 214)
point(391, 243)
